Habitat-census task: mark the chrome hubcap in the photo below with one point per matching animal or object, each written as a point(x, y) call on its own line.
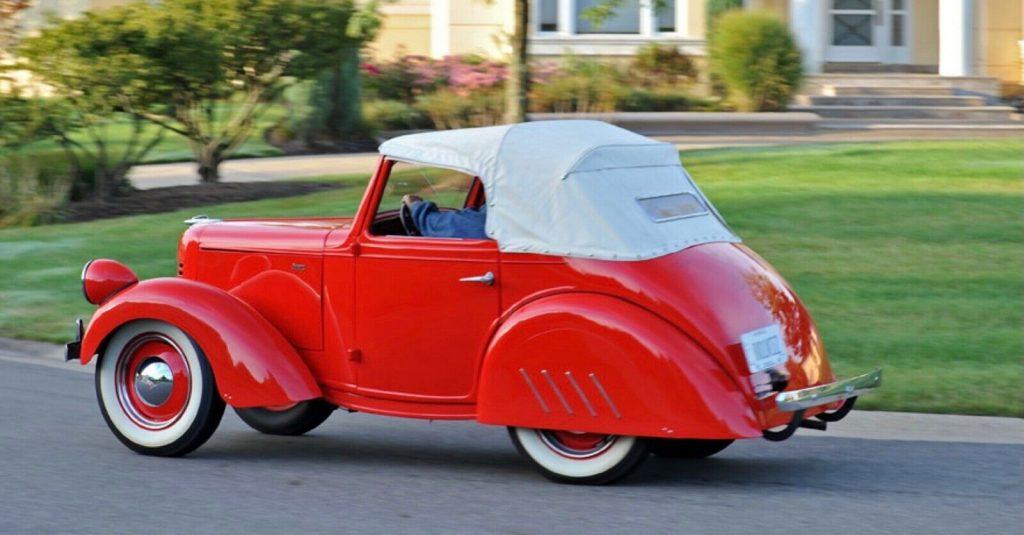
point(154, 382)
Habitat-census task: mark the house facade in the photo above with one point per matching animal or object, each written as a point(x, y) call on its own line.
point(947, 37)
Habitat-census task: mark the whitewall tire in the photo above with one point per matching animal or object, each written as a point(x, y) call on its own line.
point(297, 419)
point(576, 457)
point(156, 389)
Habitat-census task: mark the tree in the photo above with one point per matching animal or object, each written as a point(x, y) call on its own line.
point(216, 65)
point(518, 83)
point(9, 19)
point(92, 65)
point(204, 69)
point(334, 99)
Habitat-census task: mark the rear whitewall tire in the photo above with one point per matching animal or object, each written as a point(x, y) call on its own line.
point(619, 459)
point(203, 407)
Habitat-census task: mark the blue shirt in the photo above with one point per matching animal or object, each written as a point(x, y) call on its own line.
point(465, 223)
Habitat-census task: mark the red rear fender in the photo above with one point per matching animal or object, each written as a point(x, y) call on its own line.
point(596, 363)
point(254, 365)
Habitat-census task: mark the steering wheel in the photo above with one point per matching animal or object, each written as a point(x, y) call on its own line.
point(408, 223)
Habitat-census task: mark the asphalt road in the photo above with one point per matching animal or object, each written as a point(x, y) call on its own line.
point(62, 471)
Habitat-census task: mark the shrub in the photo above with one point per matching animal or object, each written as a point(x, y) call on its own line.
point(448, 108)
point(756, 58)
point(394, 115)
point(716, 8)
point(663, 99)
point(399, 80)
point(30, 193)
point(411, 76)
point(583, 86)
point(663, 64)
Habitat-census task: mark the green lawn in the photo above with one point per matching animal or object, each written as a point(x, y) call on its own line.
point(910, 255)
point(173, 147)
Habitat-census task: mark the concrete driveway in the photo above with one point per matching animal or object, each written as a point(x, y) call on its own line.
point(61, 471)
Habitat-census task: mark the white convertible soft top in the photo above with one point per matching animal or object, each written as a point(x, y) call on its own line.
point(574, 188)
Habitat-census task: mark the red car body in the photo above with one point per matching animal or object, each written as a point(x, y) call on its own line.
point(294, 309)
point(290, 310)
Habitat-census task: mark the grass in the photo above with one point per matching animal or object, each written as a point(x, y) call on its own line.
point(910, 255)
point(173, 147)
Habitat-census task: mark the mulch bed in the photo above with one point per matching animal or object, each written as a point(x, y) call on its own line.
point(157, 200)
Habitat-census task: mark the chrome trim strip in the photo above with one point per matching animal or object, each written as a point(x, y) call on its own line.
point(558, 391)
point(582, 395)
point(486, 278)
point(607, 398)
point(85, 269)
point(815, 396)
point(533, 388)
point(200, 219)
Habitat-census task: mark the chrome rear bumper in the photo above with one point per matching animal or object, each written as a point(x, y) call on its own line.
point(815, 396)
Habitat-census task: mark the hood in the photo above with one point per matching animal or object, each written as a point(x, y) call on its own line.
point(269, 235)
point(715, 293)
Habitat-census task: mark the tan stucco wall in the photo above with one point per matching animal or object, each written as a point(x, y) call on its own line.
point(402, 33)
point(999, 25)
point(695, 15)
point(479, 27)
point(924, 32)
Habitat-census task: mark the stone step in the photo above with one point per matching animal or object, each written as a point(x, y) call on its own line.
point(966, 113)
point(834, 90)
point(904, 100)
point(861, 67)
point(960, 85)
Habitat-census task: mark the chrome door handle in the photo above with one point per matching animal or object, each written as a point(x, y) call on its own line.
point(486, 278)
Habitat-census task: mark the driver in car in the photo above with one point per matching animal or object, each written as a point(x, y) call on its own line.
point(432, 222)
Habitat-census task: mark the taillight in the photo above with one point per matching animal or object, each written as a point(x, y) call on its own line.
point(102, 278)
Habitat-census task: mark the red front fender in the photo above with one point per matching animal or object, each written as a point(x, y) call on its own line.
point(253, 364)
point(590, 362)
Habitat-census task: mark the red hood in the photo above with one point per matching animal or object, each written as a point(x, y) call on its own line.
point(270, 235)
point(716, 292)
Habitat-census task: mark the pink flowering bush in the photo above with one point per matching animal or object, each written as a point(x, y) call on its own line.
point(452, 92)
point(411, 76)
point(462, 91)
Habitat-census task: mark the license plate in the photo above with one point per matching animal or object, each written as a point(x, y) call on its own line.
point(764, 348)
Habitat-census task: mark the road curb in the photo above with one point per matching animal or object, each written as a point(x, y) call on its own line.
point(869, 425)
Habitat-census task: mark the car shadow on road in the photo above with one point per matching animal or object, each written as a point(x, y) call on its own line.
point(835, 464)
point(337, 453)
point(330, 454)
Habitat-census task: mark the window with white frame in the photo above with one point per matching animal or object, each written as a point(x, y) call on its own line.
point(630, 17)
point(624, 19)
point(547, 15)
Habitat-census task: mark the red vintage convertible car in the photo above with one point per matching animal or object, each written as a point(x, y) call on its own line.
point(610, 313)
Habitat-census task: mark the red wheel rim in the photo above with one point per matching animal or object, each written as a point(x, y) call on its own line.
point(153, 381)
point(577, 444)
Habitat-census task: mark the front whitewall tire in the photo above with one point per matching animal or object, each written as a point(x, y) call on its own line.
point(202, 409)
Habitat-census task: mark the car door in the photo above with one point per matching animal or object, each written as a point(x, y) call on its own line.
point(424, 306)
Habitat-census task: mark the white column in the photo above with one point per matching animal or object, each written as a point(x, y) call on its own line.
point(956, 37)
point(647, 23)
point(440, 28)
point(567, 17)
point(807, 21)
point(683, 18)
